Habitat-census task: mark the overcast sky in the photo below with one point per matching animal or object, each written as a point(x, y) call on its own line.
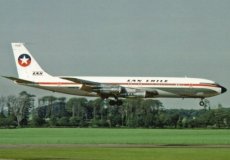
point(120, 38)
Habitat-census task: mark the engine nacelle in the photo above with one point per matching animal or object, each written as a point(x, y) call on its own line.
point(108, 89)
point(140, 94)
point(136, 94)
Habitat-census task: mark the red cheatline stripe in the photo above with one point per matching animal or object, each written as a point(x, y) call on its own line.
point(152, 84)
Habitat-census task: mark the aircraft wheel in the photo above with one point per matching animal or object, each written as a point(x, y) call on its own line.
point(202, 103)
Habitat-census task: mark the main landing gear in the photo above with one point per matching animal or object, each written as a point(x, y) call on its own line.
point(205, 103)
point(111, 102)
point(115, 102)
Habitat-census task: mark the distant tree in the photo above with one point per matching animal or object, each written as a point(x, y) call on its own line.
point(26, 102)
point(227, 118)
point(71, 106)
point(130, 106)
point(220, 116)
point(20, 106)
point(162, 119)
point(78, 107)
point(2, 105)
point(80, 112)
point(12, 103)
point(37, 121)
point(174, 119)
point(96, 109)
point(41, 111)
point(151, 112)
point(53, 121)
point(63, 121)
point(75, 106)
point(48, 101)
point(74, 121)
point(114, 116)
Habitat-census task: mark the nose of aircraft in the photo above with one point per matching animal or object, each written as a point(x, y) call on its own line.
point(223, 89)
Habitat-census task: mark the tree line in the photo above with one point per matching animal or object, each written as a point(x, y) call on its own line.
point(20, 111)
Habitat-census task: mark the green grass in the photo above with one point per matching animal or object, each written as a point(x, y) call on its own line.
point(112, 136)
point(71, 143)
point(43, 153)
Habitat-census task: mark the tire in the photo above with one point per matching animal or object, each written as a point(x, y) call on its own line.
point(202, 103)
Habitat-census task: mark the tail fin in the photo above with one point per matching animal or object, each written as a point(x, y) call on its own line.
point(27, 66)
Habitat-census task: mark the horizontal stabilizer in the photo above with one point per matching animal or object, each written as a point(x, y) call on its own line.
point(18, 80)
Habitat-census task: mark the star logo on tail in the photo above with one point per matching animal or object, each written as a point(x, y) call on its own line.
point(24, 60)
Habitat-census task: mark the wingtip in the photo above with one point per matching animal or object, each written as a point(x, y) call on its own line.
point(4, 76)
point(8, 77)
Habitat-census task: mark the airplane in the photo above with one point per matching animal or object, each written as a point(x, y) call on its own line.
point(113, 88)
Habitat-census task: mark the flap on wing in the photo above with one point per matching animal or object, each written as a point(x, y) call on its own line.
point(17, 79)
point(81, 81)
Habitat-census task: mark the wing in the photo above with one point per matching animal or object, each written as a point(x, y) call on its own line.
point(107, 90)
point(81, 81)
point(101, 89)
point(86, 85)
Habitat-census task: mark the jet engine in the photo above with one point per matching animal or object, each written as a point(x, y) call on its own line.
point(116, 90)
point(140, 94)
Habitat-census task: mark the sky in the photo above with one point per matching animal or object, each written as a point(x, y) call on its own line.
point(169, 38)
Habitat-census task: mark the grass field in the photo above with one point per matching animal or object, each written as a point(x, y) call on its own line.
point(95, 153)
point(106, 144)
point(112, 136)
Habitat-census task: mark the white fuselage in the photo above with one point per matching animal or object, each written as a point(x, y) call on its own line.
point(165, 86)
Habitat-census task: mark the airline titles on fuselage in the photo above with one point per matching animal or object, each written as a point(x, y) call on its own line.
point(150, 81)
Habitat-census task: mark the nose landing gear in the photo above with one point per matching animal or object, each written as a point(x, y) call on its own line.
point(205, 103)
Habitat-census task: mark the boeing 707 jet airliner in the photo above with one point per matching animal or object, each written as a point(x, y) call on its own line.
point(31, 74)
